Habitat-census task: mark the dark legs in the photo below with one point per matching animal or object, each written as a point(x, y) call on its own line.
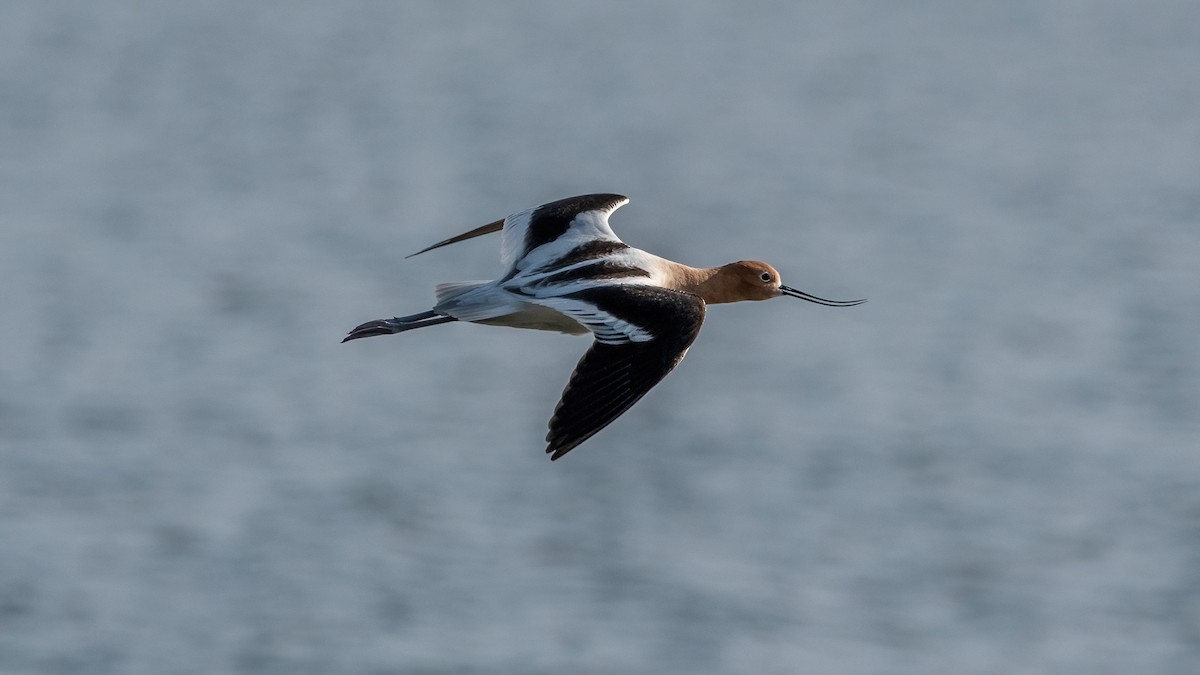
point(397, 325)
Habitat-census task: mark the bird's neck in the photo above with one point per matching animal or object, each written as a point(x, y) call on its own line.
point(706, 282)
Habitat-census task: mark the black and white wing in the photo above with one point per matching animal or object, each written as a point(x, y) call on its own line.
point(565, 223)
point(642, 332)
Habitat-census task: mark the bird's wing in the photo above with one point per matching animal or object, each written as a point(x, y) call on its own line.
point(565, 223)
point(642, 332)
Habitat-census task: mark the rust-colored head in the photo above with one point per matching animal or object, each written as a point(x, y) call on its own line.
point(744, 280)
point(755, 280)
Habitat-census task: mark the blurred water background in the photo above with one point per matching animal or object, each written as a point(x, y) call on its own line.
point(991, 467)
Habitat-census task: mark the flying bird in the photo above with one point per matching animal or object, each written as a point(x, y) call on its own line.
point(566, 271)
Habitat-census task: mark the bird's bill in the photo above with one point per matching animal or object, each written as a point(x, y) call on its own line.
point(791, 292)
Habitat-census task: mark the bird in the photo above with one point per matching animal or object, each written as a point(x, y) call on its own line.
point(567, 271)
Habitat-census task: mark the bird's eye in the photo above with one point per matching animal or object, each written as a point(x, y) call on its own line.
point(765, 276)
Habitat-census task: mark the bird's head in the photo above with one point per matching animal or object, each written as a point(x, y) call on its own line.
point(756, 280)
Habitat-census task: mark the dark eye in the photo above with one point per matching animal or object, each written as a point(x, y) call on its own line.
point(765, 276)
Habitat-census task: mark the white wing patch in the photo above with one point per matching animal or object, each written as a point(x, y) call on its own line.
point(512, 238)
point(606, 327)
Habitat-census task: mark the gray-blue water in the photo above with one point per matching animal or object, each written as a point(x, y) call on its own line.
point(991, 467)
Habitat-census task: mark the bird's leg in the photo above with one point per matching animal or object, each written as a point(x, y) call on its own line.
point(397, 324)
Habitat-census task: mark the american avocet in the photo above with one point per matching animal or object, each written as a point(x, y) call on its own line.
point(568, 272)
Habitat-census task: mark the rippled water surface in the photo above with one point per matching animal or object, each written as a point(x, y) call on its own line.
point(991, 467)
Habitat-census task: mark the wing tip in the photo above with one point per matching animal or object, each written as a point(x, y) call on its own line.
point(494, 226)
point(556, 446)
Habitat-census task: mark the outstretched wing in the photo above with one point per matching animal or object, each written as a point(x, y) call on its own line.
point(571, 221)
point(642, 332)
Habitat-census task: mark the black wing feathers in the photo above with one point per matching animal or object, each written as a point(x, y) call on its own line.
point(610, 378)
point(495, 226)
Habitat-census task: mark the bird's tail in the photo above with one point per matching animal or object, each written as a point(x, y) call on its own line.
point(453, 289)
